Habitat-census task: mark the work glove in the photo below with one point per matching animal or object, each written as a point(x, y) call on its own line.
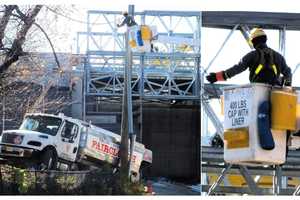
point(214, 77)
point(288, 81)
point(279, 81)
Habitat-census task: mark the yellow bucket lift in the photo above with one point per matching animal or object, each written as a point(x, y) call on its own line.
point(146, 32)
point(283, 113)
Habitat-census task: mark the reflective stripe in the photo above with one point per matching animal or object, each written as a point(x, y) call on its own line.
point(274, 69)
point(260, 66)
point(250, 43)
point(258, 69)
point(262, 62)
point(236, 138)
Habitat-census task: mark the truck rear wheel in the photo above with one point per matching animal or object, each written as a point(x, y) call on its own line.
point(49, 160)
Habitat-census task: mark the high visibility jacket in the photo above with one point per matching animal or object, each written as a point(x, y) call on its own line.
point(265, 66)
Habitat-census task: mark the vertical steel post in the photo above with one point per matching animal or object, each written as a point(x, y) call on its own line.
point(77, 44)
point(84, 87)
point(198, 84)
point(141, 90)
point(43, 90)
point(123, 152)
point(3, 113)
point(281, 181)
point(132, 135)
point(141, 84)
point(129, 73)
point(282, 36)
point(88, 32)
point(86, 68)
point(202, 111)
point(198, 59)
point(277, 178)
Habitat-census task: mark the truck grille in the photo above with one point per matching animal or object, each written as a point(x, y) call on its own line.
point(16, 153)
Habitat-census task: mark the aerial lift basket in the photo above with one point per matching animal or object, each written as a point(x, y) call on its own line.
point(242, 142)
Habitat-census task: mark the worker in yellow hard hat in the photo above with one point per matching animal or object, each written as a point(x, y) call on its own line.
point(265, 64)
point(132, 27)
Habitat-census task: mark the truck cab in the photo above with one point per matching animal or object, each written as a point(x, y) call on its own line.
point(42, 137)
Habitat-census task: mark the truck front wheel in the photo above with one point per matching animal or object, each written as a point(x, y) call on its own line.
point(49, 160)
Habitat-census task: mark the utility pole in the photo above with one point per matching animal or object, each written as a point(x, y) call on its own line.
point(132, 135)
point(126, 124)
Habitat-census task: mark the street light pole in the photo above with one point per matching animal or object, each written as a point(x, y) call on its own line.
point(132, 135)
point(127, 122)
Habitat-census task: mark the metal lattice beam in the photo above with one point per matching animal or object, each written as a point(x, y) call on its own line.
point(166, 75)
point(228, 19)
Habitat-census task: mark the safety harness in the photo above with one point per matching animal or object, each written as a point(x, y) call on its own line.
point(265, 63)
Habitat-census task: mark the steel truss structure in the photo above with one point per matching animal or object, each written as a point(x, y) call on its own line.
point(174, 73)
point(212, 158)
point(213, 163)
point(167, 73)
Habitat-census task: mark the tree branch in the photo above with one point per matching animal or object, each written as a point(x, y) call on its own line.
point(52, 47)
point(4, 21)
point(22, 17)
point(28, 21)
point(16, 49)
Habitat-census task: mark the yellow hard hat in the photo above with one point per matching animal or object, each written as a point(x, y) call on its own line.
point(257, 32)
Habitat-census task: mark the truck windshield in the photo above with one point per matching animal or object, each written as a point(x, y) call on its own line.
point(43, 124)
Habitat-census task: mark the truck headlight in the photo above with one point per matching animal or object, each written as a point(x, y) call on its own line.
point(18, 139)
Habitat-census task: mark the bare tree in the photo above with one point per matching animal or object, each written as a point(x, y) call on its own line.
point(27, 86)
point(4, 21)
point(19, 93)
point(15, 50)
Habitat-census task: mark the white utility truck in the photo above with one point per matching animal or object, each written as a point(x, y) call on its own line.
point(48, 140)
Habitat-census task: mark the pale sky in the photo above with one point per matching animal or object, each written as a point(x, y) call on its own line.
point(242, 5)
point(211, 39)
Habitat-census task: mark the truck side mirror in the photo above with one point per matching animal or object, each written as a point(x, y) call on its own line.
point(71, 140)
